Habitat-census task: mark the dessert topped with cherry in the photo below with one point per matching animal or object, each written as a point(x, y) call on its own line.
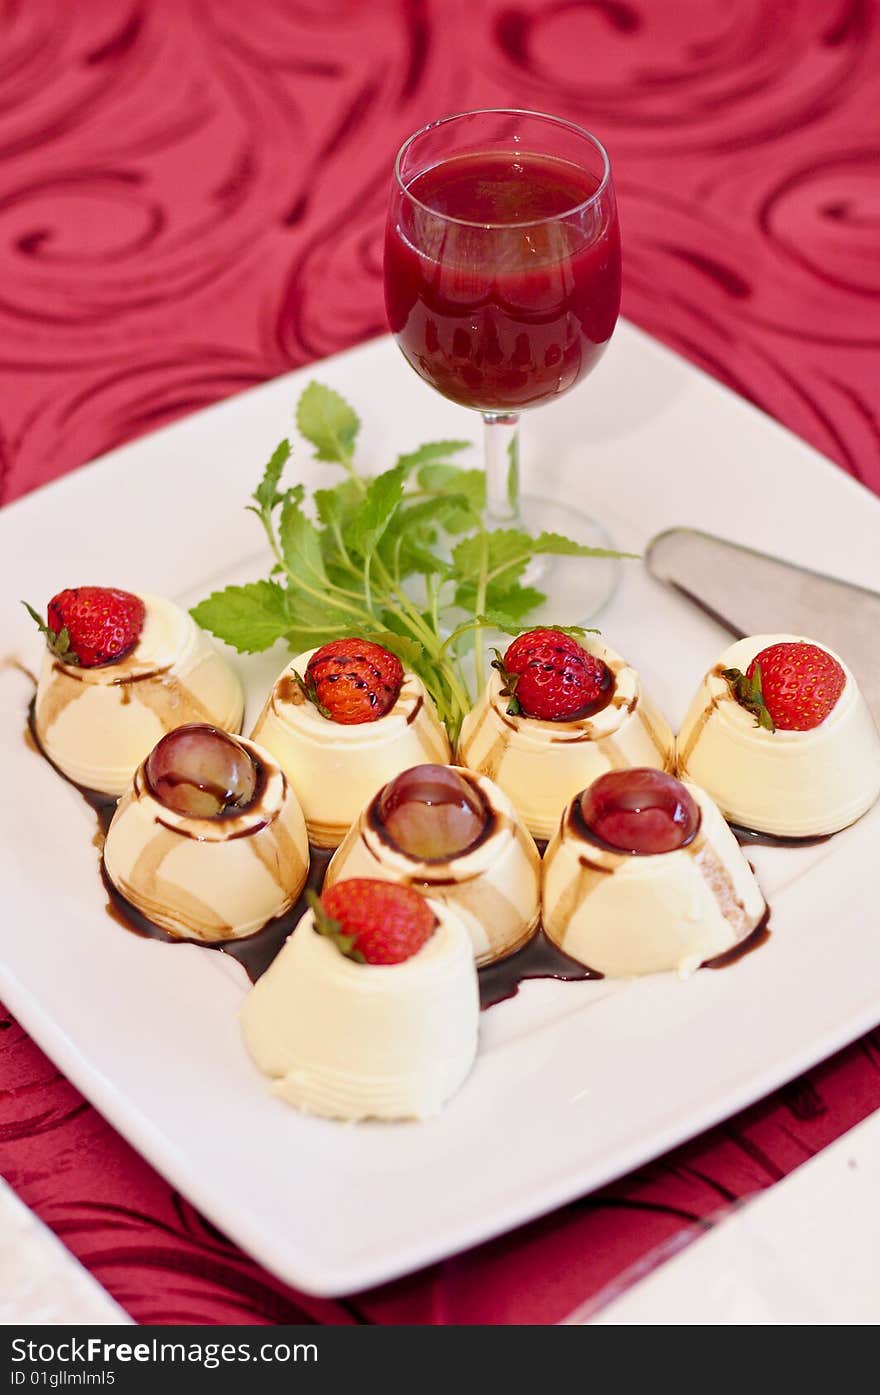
point(374, 922)
point(643, 812)
point(431, 812)
point(546, 674)
point(792, 686)
point(351, 681)
point(88, 626)
point(203, 772)
point(643, 875)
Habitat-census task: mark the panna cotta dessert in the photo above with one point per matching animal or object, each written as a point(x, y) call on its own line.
point(210, 842)
point(119, 671)
point(456, 837)
point(341, 721)
point(643, 875)
point(555, 714)
point(781, 738)
point(371, 1009)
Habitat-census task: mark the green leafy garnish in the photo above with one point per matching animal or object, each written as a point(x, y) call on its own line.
point(749, 693)
point(326, 924)
point(57, 640)
point(381, 557)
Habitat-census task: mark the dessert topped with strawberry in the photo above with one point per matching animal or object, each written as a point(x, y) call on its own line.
point(558, 710)
point(342, 721)
point(455, 836)
point(782, 739)
point(119, 671)
point(371, 1008)
point(548, 675)
point(374, 922)
point(89, 626)
point(792, 686)
point(353, 680)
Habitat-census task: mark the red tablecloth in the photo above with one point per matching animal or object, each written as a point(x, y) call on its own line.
point(192, 196)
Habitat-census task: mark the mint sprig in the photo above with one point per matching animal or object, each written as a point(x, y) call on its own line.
point(382, 556)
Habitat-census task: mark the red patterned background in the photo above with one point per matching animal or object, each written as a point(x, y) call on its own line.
point(192, 195)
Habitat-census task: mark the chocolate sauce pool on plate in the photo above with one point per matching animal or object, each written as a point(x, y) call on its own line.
point(254, 952)
point(750, 837)
point(538, 959)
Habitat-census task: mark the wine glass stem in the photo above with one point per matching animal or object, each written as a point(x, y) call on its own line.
point(501, 437)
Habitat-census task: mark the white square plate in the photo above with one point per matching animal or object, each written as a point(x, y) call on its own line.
point(575, 1083)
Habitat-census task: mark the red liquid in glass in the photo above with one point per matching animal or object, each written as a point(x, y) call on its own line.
point(503, 317)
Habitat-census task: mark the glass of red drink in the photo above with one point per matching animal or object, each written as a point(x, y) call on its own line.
point(502, 288)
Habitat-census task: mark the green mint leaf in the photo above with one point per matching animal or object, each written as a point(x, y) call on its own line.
point(452, 481)
point(328, 422)
point(340, 504)
point(266, 494)
point(509, 551)
point(408, 651)
point(455, 480)
point(416, 559)
point(250, 618)
point(508, 624)
point(381, 501)
point(300, 543)
point(434, 513)
point(517, 601)
point(433, 450)
point(559, 546)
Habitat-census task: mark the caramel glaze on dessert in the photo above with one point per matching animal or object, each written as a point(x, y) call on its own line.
point(539, 959)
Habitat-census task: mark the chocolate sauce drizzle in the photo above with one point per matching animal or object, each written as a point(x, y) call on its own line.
point(759, 936)
point(539, 959)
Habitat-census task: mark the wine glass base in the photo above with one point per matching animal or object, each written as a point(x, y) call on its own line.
point(577, 588)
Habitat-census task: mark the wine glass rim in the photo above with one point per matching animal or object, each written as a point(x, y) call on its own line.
point(597, 193)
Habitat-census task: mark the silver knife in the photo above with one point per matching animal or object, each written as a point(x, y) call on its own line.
point(750, 592)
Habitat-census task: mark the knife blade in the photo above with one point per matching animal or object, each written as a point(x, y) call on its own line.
point(749, 592)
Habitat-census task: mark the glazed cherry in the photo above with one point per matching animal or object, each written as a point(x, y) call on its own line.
point(640, 811)
point(201, 771)
point(432, 812)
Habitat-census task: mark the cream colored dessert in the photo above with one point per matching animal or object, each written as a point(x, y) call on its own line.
point(494, 886)
point(335, 769)
point(541, 764)
point(366, 1041)
point(98, 724)
point(210, 878)
point(791, 784)
point(625, 914)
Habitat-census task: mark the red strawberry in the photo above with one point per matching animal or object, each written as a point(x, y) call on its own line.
point(92, 625)
point(374, 922)
point(799, 682)
point(548, 675)
point(353, 680)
